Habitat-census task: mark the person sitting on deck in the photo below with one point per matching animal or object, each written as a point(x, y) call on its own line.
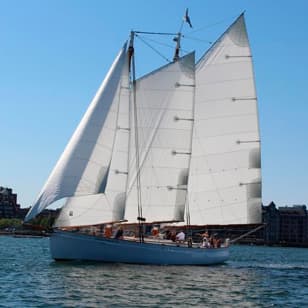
point(205, 240)
point(218, 243)
point(155, 232)
point(173, 236)
point(167, 235)
point(180, 237)
point(108, 231)
point(119, 234)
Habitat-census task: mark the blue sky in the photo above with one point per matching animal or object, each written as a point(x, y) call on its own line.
point(54, 55)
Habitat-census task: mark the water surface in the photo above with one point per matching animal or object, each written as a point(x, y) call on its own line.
point(253, 277)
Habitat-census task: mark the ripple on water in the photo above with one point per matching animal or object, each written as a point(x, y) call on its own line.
point(253, 277)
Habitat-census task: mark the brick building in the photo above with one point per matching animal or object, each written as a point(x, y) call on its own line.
point(9, 208)
point(284, 225)
point(293, 224)
point(8, 203)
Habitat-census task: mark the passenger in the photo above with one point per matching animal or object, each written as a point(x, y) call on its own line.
point(108, 231)
point(168, 235)
point(119, 234)
point(206, 243)
point(218, 243)
point(227, 242)
point(206, 240)
point(211, 242)
point(180, 237)
point(173, 236)
point(155, 232)
point(205, 234)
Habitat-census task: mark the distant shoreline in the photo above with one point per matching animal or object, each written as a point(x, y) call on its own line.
point(23, 233)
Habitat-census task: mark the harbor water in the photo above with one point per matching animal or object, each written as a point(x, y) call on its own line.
point(254, 276)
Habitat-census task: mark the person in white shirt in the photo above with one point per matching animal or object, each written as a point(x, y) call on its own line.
point(180, 237)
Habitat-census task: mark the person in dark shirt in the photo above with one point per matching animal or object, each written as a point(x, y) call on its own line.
point(119, 234)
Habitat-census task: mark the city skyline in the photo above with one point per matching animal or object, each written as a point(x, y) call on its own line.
point(55, 55)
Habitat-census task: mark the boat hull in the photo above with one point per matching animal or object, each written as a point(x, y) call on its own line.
point(75, 246)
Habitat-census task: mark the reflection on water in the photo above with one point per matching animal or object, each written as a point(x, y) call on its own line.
point(254, 277)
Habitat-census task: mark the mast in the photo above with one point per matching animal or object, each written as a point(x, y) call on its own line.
point(132, 70)
point(177, 39)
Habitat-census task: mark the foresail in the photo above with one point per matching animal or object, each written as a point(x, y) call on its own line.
point(84, 211)
point(225, 173)
point(164, 102)
point(83, 167)
point(107, 206)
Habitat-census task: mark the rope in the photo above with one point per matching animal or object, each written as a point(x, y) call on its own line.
point(158, 33)
point(247, 233)
point(197, 39)
point(213, 25)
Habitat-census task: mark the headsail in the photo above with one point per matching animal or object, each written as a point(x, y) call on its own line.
point(225, 173)
point(107, 206)
point(164, 101)
point(83, 167)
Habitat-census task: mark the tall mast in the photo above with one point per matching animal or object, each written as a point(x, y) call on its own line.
point(132, 70)
point(177, 39)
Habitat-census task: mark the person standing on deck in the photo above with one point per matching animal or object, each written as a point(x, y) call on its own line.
point(119, 234)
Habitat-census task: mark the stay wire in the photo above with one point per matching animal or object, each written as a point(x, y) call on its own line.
point(197, 39)
point(213, 25)
point(167, 45)
point(154, 49)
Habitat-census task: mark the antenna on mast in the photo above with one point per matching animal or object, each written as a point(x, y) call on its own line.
point(177, 39)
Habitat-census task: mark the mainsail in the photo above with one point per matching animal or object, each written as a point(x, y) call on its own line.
point(164, 101)
point(225, 172)
point(84, 165)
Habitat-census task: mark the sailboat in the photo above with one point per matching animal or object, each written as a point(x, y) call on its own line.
point(179, 146)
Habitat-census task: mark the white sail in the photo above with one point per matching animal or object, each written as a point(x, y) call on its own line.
point(164, 102)
point(225, 173)
point(83, 167)
point(107, 206)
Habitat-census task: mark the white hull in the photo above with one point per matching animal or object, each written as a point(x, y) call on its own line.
point(76, 246)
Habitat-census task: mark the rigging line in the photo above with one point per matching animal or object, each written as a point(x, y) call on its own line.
point(159, 43)
point(154, 49)
point(158, 33)
point(197, 39)
point(166, 45)
point(214, 24)
point(149, 141)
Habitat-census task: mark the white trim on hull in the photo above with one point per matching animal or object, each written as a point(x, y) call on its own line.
point(75, 246)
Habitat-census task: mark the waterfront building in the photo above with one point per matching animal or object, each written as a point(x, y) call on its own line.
point(9, 208)
point(271, 220)
point(293, 225)
point(287, 225)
